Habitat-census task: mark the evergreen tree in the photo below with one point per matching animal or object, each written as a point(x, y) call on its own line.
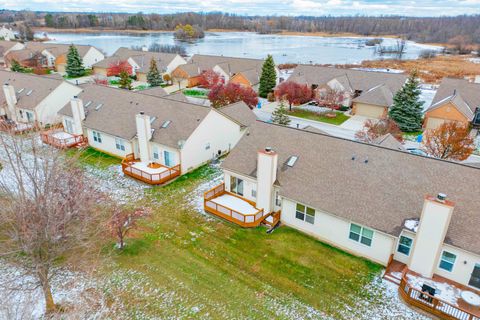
point(407, 107)
point(154, 78)
point(268, 79)
point(279, 115)
point(74, 63)
point(15, 66)
point(125, 82)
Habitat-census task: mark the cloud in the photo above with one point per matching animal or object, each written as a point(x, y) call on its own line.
point(255, 7)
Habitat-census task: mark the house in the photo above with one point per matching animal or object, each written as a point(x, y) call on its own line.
point(6, 47)
point(278, 172)
point(237, 70)
point(369, 93)
point(140, 62)
point(158, 138)
point(53, 56)
point(33, 100)
point(456, 100)
point(6, 33)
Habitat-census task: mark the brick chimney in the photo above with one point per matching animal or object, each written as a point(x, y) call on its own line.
point(144, 134)
point(433, 227)
point(78, 113)
point(267, 163)
point(11, 98)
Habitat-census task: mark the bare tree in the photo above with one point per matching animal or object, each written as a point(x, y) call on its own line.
point(328, 97)
point(50, 212)
point(124, 220)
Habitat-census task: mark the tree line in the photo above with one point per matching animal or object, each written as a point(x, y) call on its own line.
point(422, 29)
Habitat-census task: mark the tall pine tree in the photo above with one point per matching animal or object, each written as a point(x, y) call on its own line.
point(125, 82)
point(154, 78)
point(268, 79)
point(407, 107)
point(279, 115)
point(74, 67)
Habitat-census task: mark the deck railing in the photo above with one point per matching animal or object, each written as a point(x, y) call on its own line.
point(232, 215)
point(432, 304)
point(150, 178)
point(62, 143)
point(16, 128)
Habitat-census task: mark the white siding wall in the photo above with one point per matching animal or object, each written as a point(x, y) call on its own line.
point(249, 184)
point(47, 109)
point(174, 154)
point(92, 56)
point(335, 231)
point(400, 256)
point(216, 130)
point(461, 271)
point(108, 144)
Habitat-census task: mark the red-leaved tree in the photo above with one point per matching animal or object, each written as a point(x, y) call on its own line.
point(373, 129)
point(115, 68)
point(209, 78)
point(224, 94)
point(451, 140)
point(330, 98)
point(293, 92)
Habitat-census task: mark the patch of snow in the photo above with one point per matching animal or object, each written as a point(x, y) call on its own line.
point(143, 166)
point(427, 94)
point(235, 203)
point(313, 108)
point(411, 224)
point(62, 135)
point(385, 70)
point(444, 291)
point(196, 197)
point(471, 298)
point(474, 60)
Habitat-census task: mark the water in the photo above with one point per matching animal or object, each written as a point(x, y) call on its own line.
point(295, 49)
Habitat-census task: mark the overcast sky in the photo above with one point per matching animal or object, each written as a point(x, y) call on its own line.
point(261, 7)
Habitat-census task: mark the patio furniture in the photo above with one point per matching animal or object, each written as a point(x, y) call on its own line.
point(471, 298)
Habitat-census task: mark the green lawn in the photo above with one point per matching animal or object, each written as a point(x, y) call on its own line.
point(90, 156)
point(185, 264)
point(300, 113)
point(88, 72)
point(195, 93)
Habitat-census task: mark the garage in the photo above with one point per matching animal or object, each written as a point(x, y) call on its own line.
point(433, 123)
point(369, 110)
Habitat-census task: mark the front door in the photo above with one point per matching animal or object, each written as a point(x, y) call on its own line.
point(168, 158)
point(475, 277)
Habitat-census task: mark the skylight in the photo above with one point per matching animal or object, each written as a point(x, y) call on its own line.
point(291, 161)
point(29, 92)
point(88, 103)
point(152, 119)
point(99, 106)
point(21, 90)
point(166, 124)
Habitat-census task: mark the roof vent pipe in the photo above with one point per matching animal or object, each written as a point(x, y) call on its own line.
point(268, 149)
point(142, 113)
point(441, 197)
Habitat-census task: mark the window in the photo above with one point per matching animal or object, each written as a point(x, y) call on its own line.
point(236, 185)
point(119, 144)
point(361, 234)
point(68, 126)
point(97, 137)
point(278, 200)
point(305, 213)
point(404, 245)
point(254, 192)
point(447, 261)
point(156, 154)
point(29, 116)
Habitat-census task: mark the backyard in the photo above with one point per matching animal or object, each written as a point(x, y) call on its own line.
point(338, 119)
point(184, 263)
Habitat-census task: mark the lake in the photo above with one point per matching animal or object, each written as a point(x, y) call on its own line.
point(294, 49)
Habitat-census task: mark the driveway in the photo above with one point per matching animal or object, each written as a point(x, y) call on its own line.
point(355, 123)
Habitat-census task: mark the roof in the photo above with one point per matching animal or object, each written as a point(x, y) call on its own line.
point(252, 75)
point(230, 65)
point(389, 141)
point(397, 181)
point(6, 45)
point(155, 91)
point(239, 112)
point(57, 49)
point(35, 88)
point(116, 116)
point(314, 129)
point(464, 94)
point(356, 79)
point(141, 58)
point(380, 95)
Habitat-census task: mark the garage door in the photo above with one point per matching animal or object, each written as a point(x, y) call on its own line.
point(370, 111)
point(434, 123)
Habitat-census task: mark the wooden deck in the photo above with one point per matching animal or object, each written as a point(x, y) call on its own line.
point(151, 178)
point(246, 220)
point(54, 137)
point(428, 303)
point(16, 128)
